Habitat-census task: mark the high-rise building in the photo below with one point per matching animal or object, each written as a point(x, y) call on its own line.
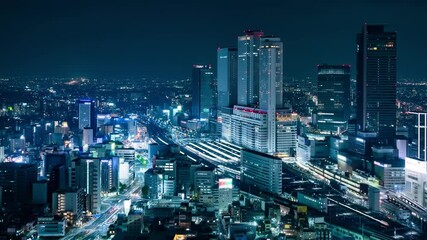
point(261, 170)
point(110, 174)
point(87, 114)
point(271, 84)
point(86, 174)
point(333, 96)
point(248, 68)
point(376, 82)
point(270, 73)
point(203, 92)
point(418, 134)
point(227, 77)
point(16, 180)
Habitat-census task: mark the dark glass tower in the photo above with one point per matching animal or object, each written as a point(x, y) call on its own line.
point(87, 114)
point(227, 77)
point(376, 82)
point(203, 92)
point(333, 95)
point(248, 68)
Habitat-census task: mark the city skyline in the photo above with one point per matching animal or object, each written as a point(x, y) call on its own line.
point(213, 120)
point(118, 39)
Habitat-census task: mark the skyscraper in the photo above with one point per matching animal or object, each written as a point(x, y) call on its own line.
point(86, 174)
point(271, 83)
point(227, 77)
point(203, 92)
point(248, 68)
point(87, 114)
point(259, 121)
point(376, 82)
point(333, 95)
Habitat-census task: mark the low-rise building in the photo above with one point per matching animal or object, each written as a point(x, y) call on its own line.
point(51, 226)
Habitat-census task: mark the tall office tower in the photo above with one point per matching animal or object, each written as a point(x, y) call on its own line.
point(87, 114)
point(227, 77)
point(333, 96)
point(271, 84)
point(107, 176)
point(203, 92)
point(227, 89)
point(261, 170)
point(376, 82)
point(86, 174)
point(16, 180)
point(418, 134)
point(248, 68)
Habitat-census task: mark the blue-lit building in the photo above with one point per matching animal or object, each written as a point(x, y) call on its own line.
point(87, 114)
point(203, 92)
point(227, 77)
point(248, 68)
point(271, 86)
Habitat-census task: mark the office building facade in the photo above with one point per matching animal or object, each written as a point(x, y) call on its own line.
point(227, 77)
point(248, 68)
point(87, 114)
point(418, 134)
point(203, 92)
point(69, 203)
point(333, 96)
point(376, 82)
point(271, 84)
point(261, 170)
point(86, 174)
point(16, 180)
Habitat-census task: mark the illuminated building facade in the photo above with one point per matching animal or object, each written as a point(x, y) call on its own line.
point(418, 135)
point(248, 68)
point(203, 94)
point(416, 180)
point(333, 96)
point(261, 170)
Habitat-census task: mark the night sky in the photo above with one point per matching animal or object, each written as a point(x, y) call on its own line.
point(164, 38)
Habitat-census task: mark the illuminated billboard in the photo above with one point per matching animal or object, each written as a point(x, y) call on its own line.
point(226, 183)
